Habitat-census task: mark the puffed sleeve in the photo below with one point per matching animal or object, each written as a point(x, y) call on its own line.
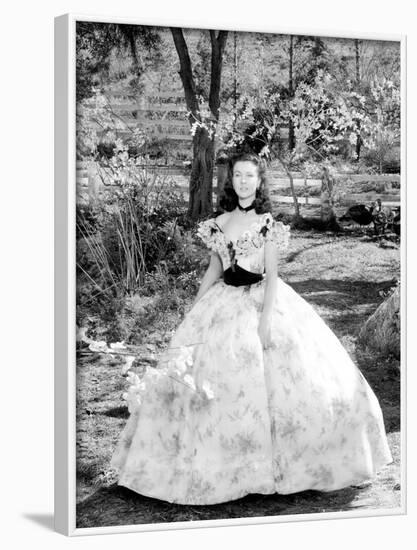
point(277, 232)
point(207, 231)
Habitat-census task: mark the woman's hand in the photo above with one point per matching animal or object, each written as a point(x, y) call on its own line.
point(264, 331)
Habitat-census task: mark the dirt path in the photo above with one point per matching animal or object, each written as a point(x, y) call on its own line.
point(344, 279)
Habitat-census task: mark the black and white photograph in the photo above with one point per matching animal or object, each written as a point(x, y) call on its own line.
point(238, 275)
point(208, 275)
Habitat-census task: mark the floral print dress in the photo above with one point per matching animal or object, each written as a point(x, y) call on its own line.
point(222, 418)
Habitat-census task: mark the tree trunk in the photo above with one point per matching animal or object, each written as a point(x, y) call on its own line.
point(381, 331)
point(234, 72)
point(293, 193)
point(358, 83)
point(306, 189)
point(218, 44)
point(201, 179)
point(358, 141)
point(200, 203)
point(327, 213)
point(291, 135)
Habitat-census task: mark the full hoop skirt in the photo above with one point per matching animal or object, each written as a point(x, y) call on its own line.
point(297, 416)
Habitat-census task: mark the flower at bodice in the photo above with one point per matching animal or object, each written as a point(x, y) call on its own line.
point(250, 242)
point(211, 235)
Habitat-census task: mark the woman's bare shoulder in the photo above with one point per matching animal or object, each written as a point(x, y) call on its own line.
point(223, 218)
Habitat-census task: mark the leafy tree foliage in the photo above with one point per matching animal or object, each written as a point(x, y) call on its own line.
point(256, 86)
point(95, 44)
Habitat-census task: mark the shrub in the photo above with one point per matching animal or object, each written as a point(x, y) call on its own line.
point(387, 163)
point(135, 227)
point(135, 246)
point(88, 219)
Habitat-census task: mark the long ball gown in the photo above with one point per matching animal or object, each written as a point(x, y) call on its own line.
point(222, 418)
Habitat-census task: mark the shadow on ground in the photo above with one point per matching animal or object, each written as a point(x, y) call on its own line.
point(132, 509)
point(44, 520)
point(346, 303)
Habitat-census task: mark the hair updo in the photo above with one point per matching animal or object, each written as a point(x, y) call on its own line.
point(229, 199)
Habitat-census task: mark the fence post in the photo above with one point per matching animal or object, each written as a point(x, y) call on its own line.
point(94, 182)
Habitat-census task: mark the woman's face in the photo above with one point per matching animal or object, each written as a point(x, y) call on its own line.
point(246, 179)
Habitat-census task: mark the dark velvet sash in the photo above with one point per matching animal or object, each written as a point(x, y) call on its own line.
point(240, 277)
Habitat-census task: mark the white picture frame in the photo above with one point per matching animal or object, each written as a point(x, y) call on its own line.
point(65, 325)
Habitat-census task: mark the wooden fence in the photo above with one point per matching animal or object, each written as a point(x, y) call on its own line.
point(163, 115)
point(89, 185)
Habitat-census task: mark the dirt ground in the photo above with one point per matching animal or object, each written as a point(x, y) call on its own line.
point(345, 277)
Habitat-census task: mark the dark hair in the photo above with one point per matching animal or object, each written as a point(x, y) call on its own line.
point(229, 199)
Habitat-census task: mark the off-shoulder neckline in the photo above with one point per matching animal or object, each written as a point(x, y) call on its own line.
point(256, 224)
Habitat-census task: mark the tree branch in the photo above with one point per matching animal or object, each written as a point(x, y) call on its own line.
point(186, 72)
point(218, 44)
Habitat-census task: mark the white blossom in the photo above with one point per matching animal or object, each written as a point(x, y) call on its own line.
point(100, 347)
point(117, 346)
point(207, 390)
point(189, 380)
point(129, 359)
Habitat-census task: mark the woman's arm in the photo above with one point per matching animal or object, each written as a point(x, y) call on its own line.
point(213, 273)
point(271, 273)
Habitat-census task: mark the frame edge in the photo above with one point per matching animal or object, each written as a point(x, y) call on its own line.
point(63, 447)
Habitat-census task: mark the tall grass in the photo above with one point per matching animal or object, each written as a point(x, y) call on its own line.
point(133, 229)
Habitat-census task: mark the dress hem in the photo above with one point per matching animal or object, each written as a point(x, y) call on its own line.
point(247, 492)
point(193, 503)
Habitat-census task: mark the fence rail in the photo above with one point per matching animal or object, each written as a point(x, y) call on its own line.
point(89, 185)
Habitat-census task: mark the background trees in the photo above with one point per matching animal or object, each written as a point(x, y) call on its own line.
point(246, 89)
point(98, 44)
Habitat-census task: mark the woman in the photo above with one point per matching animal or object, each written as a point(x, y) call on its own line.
point(255, 393)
